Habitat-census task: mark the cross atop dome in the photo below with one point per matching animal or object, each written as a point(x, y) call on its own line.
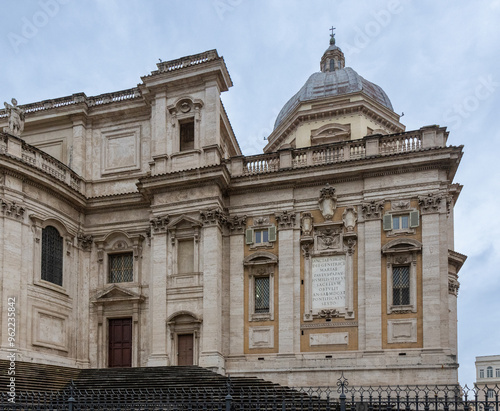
point(332, 36)
point(333, 58)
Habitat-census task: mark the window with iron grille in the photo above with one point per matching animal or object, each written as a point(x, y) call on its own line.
point(120, 268)
point(491, 394)
point(52, 255)
point(401, 285)
point(261, 294)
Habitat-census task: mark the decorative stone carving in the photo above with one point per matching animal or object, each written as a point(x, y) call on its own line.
point(237, 223)
point(261, 221)
point(429, 203)
point(350, 217)
point(400, 205)
point(11, 209)
point(373, 210)
point(84, 241)
point(306, 249)
point(307, 224)
point(327, 202)
point(453, 284)
point(213, 216)
point(328, 314)
point(16, 118)
point(329, 239)
point(159, 223)
point(285, 219)
point(350, 244)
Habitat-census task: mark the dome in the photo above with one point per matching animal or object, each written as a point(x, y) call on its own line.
point(334, 79)
point(333, 83)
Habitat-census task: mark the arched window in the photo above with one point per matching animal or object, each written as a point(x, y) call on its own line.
point(489, 372)
point(52, 255)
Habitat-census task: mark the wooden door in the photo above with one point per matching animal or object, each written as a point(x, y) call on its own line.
point(185, 349)
point(120, 342)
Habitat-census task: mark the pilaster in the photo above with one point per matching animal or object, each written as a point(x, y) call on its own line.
point(236, 286)
point(286, 278)
point(372, 214)
point(158, 293)
point(211, 351)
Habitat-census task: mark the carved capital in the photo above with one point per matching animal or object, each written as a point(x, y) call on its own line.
point(11, 209)
point(84, 241)
point(430, 203)
point(306, 248)
point(350, 244)
point(159, 223)
point(214, 216)
point(285, 219)
point(237, 223)
point(373, 210)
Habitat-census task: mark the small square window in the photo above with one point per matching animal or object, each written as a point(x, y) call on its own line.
point(120, 268)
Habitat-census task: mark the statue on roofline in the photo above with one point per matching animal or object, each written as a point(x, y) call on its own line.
point(16, 118)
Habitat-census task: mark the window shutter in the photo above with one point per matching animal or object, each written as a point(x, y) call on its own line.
point(387, 223)
point(414, 219)
point(272, 233)
point(249, 236)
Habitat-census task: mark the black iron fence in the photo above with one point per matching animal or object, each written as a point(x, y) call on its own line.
point(236, 397)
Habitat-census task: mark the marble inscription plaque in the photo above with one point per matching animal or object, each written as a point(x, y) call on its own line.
point(328, 282)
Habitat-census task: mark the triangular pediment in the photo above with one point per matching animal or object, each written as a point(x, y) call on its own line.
point(184, 222)
point(116, 293)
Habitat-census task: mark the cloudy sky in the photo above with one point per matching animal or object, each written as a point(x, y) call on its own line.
point(438, 61)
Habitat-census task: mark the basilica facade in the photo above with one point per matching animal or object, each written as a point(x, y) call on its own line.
point(133, 232)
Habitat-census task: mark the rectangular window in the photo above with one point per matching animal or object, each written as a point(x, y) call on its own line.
point(491, 394)
point(121, 268)
point(52, 256)
point(497, 372)
point(185, 256)
point(186, 135)
point(481, 373)
point(400, 222)
point(261, 295)
point(261, 236)
point(401, 285)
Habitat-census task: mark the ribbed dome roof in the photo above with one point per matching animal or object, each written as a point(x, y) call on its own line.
point(333, 83)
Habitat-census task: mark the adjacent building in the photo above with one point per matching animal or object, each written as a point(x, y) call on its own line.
point(487, 378)
point(134, 232)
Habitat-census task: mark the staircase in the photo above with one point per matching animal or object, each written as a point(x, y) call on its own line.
point(183, 387)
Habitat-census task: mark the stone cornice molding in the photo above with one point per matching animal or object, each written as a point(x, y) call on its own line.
point(285, 219)
point(373, 210)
